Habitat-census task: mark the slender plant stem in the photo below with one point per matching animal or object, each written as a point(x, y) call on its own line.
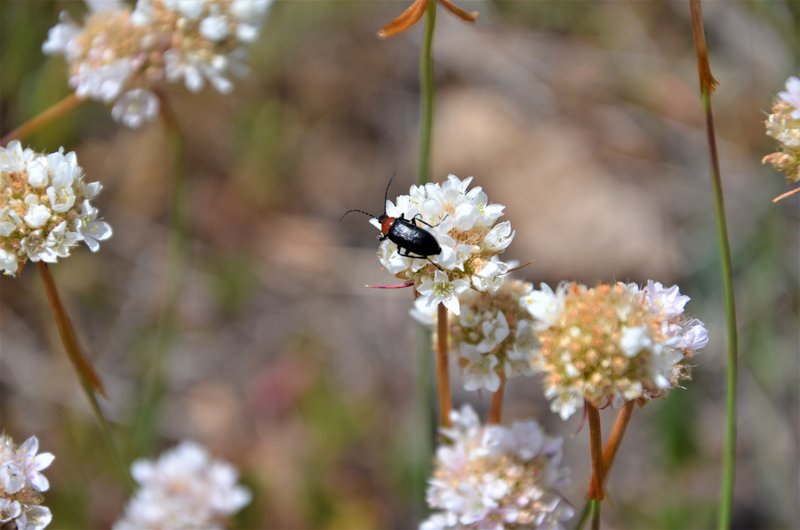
point(585, 513)
point(84, 368)
point(613, 443)
point(43, 118)
point(594, 510)
point(427, 95)
point(176, 265)
point(496, 414)
point(707, 85)
point(596, 448)
point(87, 376)
point(443, 367)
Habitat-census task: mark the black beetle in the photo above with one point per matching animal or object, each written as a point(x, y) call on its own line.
point(412, 240)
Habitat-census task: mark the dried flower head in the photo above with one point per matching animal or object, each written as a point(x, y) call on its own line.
point(783, 124)
point(22, 484)
point(611, 343)
point(184, 488)
point(121, 55)
point(463, 223)
point(414, 12)
point(493, 338)
point(45, 207)
point(497, 477)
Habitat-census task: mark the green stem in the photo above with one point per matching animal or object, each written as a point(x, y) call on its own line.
point(176, 264)
point(707, 85)
point(594, 509)
point(427, 95)
point(584, 516)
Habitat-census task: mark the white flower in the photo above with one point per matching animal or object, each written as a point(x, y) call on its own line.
point(45, 197)
point(135, 108)
point(612, 343)
point(91, 230)
point(492, 337)
point(792, 95)
point(668, 300)
point(184, 488)
point(497, 477)
point(463, 224)
point(440, 289)
point(120, 55)
point(22, 483)
point(545, 305)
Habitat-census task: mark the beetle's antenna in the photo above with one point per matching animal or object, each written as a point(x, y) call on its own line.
point(359, 211)
point(386, 193)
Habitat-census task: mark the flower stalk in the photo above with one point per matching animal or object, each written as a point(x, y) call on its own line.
point(596, 448)
point(428, 90)
point(612, 444)
point(443, 367)
point(90, 381)
point(44, 118)
point(707, 86)
point(496, 414)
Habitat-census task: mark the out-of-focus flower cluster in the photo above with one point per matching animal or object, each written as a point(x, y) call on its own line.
point(22, 484)
point(783, 124)
point(464, 224)
point(121, 54)
point(611, 343)
point(492, 338)
point(45, 207)
point(184, 488)
point(497, 477)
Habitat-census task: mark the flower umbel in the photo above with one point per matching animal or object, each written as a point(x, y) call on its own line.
point(492, 338)
point(414, 12)
point(783, 124)
point(611, 343)
point(45, 207)
point(121, 55)
point(497, 477)
point(184, 488)
point(22, 485)
point(463, 223)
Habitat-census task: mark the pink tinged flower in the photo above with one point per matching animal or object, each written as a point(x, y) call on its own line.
point(34, 518)
point(60, 36)
point(792, 95)
point(694, 336)
point(480, 371)
point(669, 301)
point(32, 463)
point(12, 476)
point(214, 28)
point(135, 108)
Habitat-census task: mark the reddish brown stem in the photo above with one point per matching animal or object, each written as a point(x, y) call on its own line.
point(612, 444)
point(67, 332)
point(496, 415)
point(443, 367)
point(787, 194)
point(596, 447)
point(40, 120)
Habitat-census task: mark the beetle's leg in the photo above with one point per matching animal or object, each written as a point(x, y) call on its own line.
point(408, 254)
point(381, 238)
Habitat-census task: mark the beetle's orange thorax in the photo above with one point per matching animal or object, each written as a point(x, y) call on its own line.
point(386, 224)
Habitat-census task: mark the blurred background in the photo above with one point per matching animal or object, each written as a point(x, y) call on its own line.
point(250, 330)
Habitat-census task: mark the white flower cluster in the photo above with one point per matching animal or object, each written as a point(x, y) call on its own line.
point(45, 207)
point(783, 124)
point(492, 338)
point(611, 343)
point(120, 55)
point(184, 488)
point(22, 484)
point(495, 477)
point(463, 223)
